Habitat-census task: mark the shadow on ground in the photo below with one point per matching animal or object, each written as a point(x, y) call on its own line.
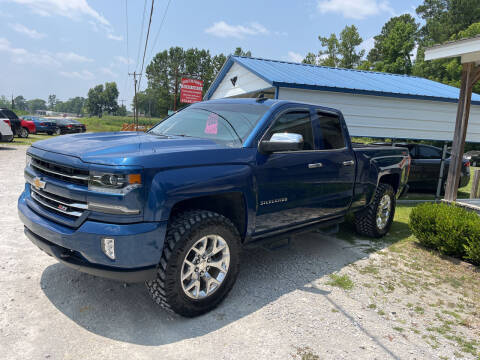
point(109, 309)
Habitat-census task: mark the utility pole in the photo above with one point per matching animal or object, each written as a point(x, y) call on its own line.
point(135, 112)
point(122, 101)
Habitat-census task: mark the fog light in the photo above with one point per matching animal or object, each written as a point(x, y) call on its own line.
point(108, 247)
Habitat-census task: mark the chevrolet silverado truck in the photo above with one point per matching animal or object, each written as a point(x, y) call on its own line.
point(174, 206)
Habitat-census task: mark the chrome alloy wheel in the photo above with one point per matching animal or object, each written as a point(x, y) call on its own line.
point(205, 267)
point(383, 211)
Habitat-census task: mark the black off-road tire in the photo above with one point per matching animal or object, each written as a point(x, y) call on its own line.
point(366, 219)
point(50, 133)
point(182, 233)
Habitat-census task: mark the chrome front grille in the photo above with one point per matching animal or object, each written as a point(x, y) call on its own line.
point(63, 206)
point(61, 172)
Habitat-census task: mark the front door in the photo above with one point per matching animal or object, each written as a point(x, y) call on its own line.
point(301, 186)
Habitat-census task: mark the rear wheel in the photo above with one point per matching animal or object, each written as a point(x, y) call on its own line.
point(376, 219)
point(23, 133)
point(50, 133)
point(199, 264)
point(58, 132)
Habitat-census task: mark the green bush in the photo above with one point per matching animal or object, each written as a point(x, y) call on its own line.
point(450, 229)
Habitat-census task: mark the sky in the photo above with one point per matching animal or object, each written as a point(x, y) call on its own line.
point(65, 47)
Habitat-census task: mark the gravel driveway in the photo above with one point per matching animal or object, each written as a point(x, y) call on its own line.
point(280, 308)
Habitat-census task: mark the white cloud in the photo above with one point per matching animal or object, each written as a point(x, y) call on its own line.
point(108, 71)
point(72, 9)
point(224, 30)
point(23, 56)
point(73, 57)
point(367, 45)
point(82, 75)
point(295, 57)
point(354, 9)
point(67, 8)
point(123, 60)
point(114, 37)
point(22, 29)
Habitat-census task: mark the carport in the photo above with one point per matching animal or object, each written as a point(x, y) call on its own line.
point(469, 52)
point(378, 105)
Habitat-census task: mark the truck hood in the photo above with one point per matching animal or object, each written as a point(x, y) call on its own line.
point(121, 148)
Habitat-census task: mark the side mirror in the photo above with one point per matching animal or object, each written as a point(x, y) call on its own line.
point(282, 142)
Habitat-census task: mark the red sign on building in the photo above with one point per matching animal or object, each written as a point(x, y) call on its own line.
point(191, 91)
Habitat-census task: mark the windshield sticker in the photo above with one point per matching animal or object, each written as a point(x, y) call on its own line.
point(211, 127)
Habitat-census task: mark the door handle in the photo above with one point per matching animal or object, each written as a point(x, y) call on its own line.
point(315, 165)
point(348, 162)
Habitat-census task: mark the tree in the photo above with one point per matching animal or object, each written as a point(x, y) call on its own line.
point(349, 40)
point(164, 74)
point(20, 103)
point(444, 18)
point(94, 103)
point(310, 58)
point(110, 98)
point(338, 52)
point(102, 99)
point(121, 111)
point(52, 101)
point(36, 104)
point(394, 45)
point(239, 52)
point(330, 56)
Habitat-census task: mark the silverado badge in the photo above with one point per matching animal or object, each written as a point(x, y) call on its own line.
point(38, 183)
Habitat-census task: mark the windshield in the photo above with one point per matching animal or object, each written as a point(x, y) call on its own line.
point(228, 124)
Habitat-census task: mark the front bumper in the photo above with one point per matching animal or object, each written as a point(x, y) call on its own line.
point(138, 247)
point(6, 138)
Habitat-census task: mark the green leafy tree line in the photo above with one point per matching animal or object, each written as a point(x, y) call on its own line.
point(166, 70)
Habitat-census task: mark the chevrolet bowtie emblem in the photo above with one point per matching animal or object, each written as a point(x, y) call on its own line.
point(38, 183)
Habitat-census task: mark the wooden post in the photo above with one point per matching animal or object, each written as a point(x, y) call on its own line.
point(474, 193)
point(461, 124)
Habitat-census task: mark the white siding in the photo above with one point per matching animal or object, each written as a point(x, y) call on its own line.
point(379, 116)
point(246, 82)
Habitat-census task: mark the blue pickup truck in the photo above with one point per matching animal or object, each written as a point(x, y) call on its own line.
point(174, 206)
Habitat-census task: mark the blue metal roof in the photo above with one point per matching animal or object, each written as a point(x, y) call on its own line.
point(305, 76)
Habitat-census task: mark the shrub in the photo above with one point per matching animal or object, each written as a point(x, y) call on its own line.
point(450, 229)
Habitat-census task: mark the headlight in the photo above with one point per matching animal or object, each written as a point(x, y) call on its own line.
point(113, 183)
point(28, 160)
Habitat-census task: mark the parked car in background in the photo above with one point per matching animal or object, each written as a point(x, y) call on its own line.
point(79, 125)
point(27, 127)
point(6, 134)
point(15, 122)
point(69, 126)
point(42, 125)
point(425, 169)
point(473, 156)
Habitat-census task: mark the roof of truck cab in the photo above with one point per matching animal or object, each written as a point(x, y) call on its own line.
point(313, 77)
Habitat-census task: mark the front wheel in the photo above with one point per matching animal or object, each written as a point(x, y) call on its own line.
point(376, 219)
point(199, 264)
point(49, 133)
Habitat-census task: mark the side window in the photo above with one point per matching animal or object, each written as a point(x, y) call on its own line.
point(331, 134)
point(429, 153)
point(295, 122)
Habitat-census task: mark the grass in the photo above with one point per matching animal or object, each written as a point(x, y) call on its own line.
point(341, 281)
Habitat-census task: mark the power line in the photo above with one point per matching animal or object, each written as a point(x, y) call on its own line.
point(128, 53)
point(141, 35)
point(160, 28)
point(146, 44)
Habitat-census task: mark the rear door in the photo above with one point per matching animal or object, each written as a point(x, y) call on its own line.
point(428, 159)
